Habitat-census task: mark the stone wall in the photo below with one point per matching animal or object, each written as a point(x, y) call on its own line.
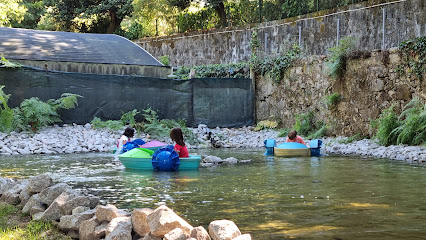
point(314, 32)
point(369, 85)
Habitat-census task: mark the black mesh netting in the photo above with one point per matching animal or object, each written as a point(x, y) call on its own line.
point(210, 101)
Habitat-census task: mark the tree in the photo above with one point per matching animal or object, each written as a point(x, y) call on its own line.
point(219, 7)
point(10, 10)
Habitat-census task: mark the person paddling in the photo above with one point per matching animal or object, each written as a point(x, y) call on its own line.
point(293, 137)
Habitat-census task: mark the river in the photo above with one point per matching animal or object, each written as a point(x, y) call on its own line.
point(332, 197)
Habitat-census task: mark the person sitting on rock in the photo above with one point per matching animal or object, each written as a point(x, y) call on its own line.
point(293, 137)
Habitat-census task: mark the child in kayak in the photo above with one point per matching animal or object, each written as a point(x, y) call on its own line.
point(293, 137)
point(180, 147)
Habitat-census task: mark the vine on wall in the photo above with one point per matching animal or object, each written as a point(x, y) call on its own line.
point(414, 57)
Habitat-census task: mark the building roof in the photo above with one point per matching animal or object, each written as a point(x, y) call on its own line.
point(27, 44)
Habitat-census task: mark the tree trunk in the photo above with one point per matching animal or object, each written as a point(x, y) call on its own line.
point(114, 23)
point(220, 10)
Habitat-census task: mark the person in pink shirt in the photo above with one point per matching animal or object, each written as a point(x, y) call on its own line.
point(293, 137)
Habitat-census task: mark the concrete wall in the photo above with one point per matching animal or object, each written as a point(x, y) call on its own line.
point(99, 68)
point(315, 32)
point(370, 85)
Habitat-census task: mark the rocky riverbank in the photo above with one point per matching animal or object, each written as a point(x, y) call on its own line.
point(83, 138)
point(81, 216)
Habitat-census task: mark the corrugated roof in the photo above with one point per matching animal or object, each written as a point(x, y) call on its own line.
point(27, 44)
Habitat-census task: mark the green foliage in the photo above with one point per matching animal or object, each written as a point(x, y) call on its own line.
point(97, 123)
point(275, 66)
point(338, 56)
point(414, 57)
point(307, 126)
point(413, 124)
point(165, 60)
point(283, 132)
point(233, 70)
point(384, 125)
point(6, 63)
point(351, 139)
point(129, 117)
point(161, 128)
point(32, 114)
point(192, 21)
point(66, 101)
point(11, 11)
point(6, 114)
point(332, 99)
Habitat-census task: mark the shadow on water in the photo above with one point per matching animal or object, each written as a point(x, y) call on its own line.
point(329, 197)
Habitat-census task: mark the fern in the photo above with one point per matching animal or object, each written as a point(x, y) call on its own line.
point(33, 114)
point(66, 101)
point(385, 126)
point(6, 114)
point(129, 117)
point(97, 123)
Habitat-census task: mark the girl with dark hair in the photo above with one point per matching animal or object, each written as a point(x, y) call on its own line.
point(177, 136)
point(127, 135)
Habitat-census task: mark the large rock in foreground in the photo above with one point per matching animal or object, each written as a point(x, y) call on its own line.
point(164, 220)
point(223, 230)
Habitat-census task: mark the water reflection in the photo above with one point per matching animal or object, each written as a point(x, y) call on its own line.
point(271, 198)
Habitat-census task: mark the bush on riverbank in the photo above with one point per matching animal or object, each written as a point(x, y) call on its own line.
point(407, 128)
point(14, 226)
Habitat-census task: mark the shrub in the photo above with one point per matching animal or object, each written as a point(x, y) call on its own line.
point(413, 124)
point(384, 125)
point(266, 124)
point(6, 114)
point(306, 126)
point(111, 124)
point(413, 56)
point(165, 60)
point(338, 56)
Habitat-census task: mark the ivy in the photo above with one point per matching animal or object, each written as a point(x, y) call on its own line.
point(275, 66)
point(414, 57)
point(233, 70)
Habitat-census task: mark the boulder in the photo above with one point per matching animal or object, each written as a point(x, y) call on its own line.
point(108, 212)
point(34, 201)
point(223, 230)
point(175, 234)
point(80, 209)
point(212, 159)
point(139, 223)
point(73, 234)
point(6, 184)
point(72, 203)
point(149, 236)
point(73, 222)
point(11, 196)
point(164, 220)
point(59, 206)
point(119, 228)
point(37, 209)
point(49, 194)
point(87, 229)
point(243, 237)
point(200, 233)
point(38, 183)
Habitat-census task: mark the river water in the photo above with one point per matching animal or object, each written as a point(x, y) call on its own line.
point(331, 197)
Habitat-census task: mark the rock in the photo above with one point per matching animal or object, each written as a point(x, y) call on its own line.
point(164, 220)
point(200, 233)
point(80, 209)
point(243, 237)
point(39, 183)
point(223, 230)
point(59, 206)
point(37, 209)
point(231, 160)
point(49, 194)
point(87, 229)
point(212, 159)
point(73, 222)
point(149, 236)
point(121, 229)
point(73, 234)
point(69, 205)
point(175, 234)
point(34, 201)
point(139, 222)
point(108, 212)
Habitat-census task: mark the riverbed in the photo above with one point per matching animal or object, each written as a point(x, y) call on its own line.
point(330, 197)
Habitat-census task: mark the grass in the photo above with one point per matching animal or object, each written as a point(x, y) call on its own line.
point(16, 226)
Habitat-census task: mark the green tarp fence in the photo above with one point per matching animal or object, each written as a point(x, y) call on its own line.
point(212, 101)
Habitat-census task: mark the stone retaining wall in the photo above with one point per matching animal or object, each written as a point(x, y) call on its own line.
point(380, 24)
point(370, 85)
